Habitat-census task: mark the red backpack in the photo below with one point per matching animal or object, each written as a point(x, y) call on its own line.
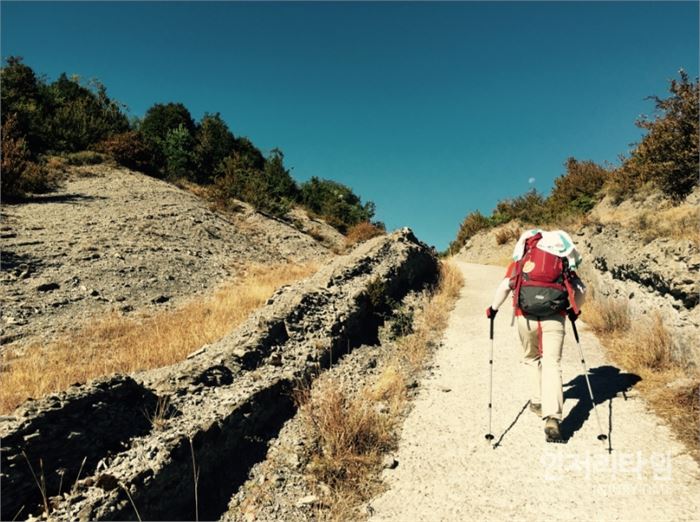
point(541, 282)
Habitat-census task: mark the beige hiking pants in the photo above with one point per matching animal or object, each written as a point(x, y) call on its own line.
point(542, 342)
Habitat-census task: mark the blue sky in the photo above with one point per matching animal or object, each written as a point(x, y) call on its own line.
point(431, 110)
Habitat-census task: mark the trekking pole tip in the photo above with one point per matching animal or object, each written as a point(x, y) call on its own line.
point(489, 437)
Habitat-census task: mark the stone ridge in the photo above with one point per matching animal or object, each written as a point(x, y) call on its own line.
point(228, 399)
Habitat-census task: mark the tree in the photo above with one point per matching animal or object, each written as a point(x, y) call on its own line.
point(243, 147)
point(159, 120)
point(79, 116)
point(21, 96)
point(280, 183)
point(214, 141)
point(667, 156)
point(177, 151)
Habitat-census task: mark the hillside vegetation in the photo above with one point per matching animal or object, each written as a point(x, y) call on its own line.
point(665, 160)
point(46, 125)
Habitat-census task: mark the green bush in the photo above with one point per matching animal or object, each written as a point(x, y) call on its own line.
point(177, 149)
point(336, 203)
point(78, 116)
point(63, 116)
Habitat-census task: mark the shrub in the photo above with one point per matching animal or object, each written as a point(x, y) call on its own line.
point(507, 234)
point(63, 116)
point(473, 223)
point(579, 189)
point(85, 157)
point(239, 178)
point(531, 207)
point(19, 174)
point(606, 315)
point(336, 203)
point(362, 232)
point(130, 150)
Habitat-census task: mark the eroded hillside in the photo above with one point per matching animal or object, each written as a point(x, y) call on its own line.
point(115, 240)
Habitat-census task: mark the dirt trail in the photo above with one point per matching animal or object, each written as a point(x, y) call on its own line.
point(447, 471)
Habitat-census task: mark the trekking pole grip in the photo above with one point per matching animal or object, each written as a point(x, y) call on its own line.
point(573, 326)
point(491, 329)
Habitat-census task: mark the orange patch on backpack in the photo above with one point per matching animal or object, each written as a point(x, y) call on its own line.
point(528, 267)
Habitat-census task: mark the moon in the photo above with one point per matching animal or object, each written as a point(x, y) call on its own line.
point(531, 181)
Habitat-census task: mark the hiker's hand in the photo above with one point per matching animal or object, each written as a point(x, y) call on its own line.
point(572, 315)
point(491, 313)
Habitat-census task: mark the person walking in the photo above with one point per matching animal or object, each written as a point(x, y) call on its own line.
point(546, 289)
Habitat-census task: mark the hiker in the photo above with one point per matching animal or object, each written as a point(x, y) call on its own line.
point(545, 291)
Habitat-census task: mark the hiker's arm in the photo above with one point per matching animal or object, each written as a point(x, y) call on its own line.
point(501, 293)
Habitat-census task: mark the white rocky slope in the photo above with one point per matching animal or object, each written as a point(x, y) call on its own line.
point(448, 471)
point(113, 239)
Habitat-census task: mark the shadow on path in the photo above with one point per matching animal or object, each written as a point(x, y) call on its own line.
point(498, 442)
point(607, 382)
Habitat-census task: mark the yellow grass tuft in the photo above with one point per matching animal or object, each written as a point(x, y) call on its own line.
point(118, 344)
point(507, 233)
point(607, 315)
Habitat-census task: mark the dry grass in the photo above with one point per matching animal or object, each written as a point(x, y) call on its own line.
point(644, 346)
point(507, 234)
point(362, 232)
point(652, 217)
point(350, 432)
point(117, 344)
point(607, 315)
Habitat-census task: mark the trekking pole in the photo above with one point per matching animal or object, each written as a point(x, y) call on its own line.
point(489, 436)
point(601, 435)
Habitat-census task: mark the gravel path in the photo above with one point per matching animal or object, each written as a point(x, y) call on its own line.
point(447, 470)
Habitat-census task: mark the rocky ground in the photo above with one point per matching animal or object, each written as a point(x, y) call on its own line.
point(281, 487)
point(115, 240)
point(225, 402)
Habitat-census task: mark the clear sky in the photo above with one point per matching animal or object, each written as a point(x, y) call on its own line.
point(431, 110)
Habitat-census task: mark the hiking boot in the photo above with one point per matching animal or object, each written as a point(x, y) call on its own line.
point(551, 430)
point(536, 408)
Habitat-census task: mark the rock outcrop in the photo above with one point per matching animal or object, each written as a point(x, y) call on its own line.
point(222, 404)
point(655, 276)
